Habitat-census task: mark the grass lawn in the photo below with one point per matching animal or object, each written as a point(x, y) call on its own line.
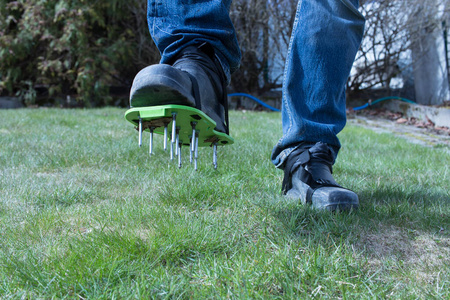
point(85, 213)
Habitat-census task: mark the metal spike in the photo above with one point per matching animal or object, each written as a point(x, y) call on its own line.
point(196, 152)
point(140, 132)
point(150, 151)
point(171, 151)
point(191, 154)
point(174, 126)
point(165, 136)
point(215, 155)
point(193, 136)
point(177, 141)
point(179, 155)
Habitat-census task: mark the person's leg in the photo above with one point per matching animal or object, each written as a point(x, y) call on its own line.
point(325, 38)
point(199, 51)
point(176, 24)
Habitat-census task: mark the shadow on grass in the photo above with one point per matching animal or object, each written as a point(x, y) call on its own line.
point(298, 220)
point(390, 231)
point(410, 229)
point(419, 210)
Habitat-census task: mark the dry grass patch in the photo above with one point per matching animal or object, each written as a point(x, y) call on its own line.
point(421, 253)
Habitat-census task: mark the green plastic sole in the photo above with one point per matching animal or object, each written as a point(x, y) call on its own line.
point(157, 117)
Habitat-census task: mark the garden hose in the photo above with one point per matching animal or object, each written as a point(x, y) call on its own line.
point(370, 103)
point(254, 99)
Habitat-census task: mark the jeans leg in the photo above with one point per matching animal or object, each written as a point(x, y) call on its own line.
point(176, 24)
point(325, 38)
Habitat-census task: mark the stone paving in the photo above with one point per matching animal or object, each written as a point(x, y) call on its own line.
point(422, 136)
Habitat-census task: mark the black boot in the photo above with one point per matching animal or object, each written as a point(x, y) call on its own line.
point(307, 176)
point(194, 79)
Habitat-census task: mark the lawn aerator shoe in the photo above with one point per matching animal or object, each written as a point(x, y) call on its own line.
point(186, 101)
point(308, 177)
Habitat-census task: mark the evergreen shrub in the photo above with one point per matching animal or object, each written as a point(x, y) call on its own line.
point(72, 47)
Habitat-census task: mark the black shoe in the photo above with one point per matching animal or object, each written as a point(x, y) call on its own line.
point(194, 79)
point(307, 176)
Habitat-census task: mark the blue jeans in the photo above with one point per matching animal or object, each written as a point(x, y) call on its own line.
point(325, 38)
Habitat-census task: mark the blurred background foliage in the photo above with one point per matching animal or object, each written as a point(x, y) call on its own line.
point(90, 51)
point(56, 48)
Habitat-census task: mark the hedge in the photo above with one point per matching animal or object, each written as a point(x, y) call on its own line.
point(78, 48)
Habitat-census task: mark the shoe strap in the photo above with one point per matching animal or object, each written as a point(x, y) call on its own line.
point(209, 50)
point(314, 167)
point(196, 91)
